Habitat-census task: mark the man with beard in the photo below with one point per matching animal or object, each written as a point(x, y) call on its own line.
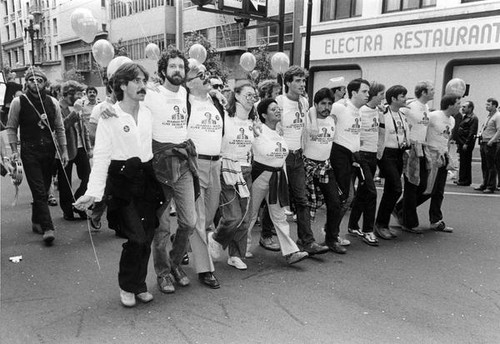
point(89, 104)
point(175, 168)
point(39, 120)
point(79, 150)
point(207, 138)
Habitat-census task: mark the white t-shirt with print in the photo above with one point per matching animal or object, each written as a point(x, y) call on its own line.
point(396, 125)
point(369, 128)
point(269, 148)
point(417, 114)
point(293, 121)
point(169, 114)
point(439, 130)
point(319, 146)
point(205, 126)
point(348, 125)
point(237, 140)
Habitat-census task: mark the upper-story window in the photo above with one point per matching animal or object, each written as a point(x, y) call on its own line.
point(405, 5)
point(340, 9)
point(269, 34)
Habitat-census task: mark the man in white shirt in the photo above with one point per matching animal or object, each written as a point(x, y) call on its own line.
point(438, 136)
point(89, 103)
point(346, 143)
point(415, 173)
point(294, 120)
point(207, 137)
point(122, 165)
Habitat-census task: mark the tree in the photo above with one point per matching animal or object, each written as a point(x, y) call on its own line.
point(73, 74)
point(263, 69)
point(213, 62)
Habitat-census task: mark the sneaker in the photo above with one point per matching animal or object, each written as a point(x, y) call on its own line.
point(214, 248)
point(315, 248)
point(296, 257)
point(440, 226)
point(488, 191)
point(370, 239)
point(49, 236)
point(127, 299)
point(269, 244)
point(343, 242)
point(288, 212)
point(480, 188)
point(52, 200)
point(383, 232)
point(36, 228)
point(166, 284)
point(394, 232)
point(185, 259)
point(145, 297)
point(356, 232)
point(248, 254)
point(180, 276)
point(237, 263)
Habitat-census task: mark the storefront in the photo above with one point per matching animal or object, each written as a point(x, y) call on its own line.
point(436, 49)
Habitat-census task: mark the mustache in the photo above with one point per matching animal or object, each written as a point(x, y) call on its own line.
point(141, 91)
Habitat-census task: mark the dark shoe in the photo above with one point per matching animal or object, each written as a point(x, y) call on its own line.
point(479, 188)
point(166, 284)
point(185, 259)
point(95, 223)
point(462, 184)
point(398, 216)
point(414, 230)
point(440, 226)
point(269, 244)
point(69, 217)
point(488, 191)
point(36, 228)
point(81, 214)
point(296, 257)
point(355, 232)
point(383, 233)
point(180, 276)
point(315, 248)
point(209, 279)
point(337, 248)
point(49, 236)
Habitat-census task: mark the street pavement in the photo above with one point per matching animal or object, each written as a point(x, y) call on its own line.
point(427, 288)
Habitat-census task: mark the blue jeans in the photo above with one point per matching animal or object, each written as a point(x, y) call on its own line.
point(38, 160)
point(183, 193)
point(297, 183)
point(235, 217)
point(391, 168)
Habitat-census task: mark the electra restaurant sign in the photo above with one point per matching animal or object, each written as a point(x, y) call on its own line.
point(429, 38)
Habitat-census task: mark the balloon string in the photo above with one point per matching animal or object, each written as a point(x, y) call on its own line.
point(142, 29)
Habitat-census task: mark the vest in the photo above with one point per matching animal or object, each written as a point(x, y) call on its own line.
point(31, 127)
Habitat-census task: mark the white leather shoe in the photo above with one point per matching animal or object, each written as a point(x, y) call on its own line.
point(145, 297)
point(127, 299)
point(237, 263)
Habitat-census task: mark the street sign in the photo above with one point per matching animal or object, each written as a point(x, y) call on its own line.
point(249, 7)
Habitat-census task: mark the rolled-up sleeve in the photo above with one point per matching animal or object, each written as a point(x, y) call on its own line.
point(13, 120)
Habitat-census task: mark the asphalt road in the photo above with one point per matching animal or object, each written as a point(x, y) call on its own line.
point(428, 288)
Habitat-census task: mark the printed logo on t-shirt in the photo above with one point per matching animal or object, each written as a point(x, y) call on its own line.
point(126, 128)
point(446, 133)
point(325, 135)
point(242, 135)
point(424, 120)
point(298, 118)
point(211, 123)
point(297, 123)
point(177, 115)
point(178, 119)
point(355, 128)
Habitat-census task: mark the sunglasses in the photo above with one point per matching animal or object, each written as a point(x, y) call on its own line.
point(37, 80)
point(201, 75)
point(220, 87)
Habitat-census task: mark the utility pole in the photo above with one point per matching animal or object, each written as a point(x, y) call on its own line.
point(31, 30)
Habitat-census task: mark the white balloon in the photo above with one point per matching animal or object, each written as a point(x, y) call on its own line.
point(152, 51)
point(77, 16)
point(115, 64)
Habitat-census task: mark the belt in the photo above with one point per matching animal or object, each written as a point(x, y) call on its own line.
point(297, 151)
point(208, 157)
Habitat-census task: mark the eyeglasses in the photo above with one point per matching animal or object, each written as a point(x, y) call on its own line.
point(219, 86)
point(251, 96)
point(201, 75)
point(37, 80)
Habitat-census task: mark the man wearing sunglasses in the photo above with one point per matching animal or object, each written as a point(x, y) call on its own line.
point(38, 118)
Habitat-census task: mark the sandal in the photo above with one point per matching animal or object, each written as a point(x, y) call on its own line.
point(52, 201)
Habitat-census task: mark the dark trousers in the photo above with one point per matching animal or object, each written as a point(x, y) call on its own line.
point(64, 176)
point(413, 196)
point(297, 183)
point(437, 195)
point(341, 161)
point(137, 224)
point(488, 166)
point(333, 209)
point(37, 161)
point(365, 200)
point(465, 169)
point(391, 168)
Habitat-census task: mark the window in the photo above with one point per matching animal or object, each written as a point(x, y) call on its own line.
point(340, 9)
point(69, 62)
point(230, 35)
point(54, 24)
point(405, 5)
point(269, 34)
point(14, 30)
point(136, 48)
point(8, 32)
point(83, 62)
point(56, 53)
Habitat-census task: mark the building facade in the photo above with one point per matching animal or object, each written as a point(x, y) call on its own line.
point(403, 42)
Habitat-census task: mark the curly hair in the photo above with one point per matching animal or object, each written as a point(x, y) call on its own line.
point(171, 53)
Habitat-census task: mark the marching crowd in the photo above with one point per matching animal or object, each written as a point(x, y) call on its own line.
point(219, 158)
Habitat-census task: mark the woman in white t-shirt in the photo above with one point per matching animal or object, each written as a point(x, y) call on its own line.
point(269, 178)
point(236, 179)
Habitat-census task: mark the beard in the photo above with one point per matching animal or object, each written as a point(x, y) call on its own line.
point(175, 79)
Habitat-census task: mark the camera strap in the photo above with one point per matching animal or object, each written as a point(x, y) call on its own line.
point(396, 127)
